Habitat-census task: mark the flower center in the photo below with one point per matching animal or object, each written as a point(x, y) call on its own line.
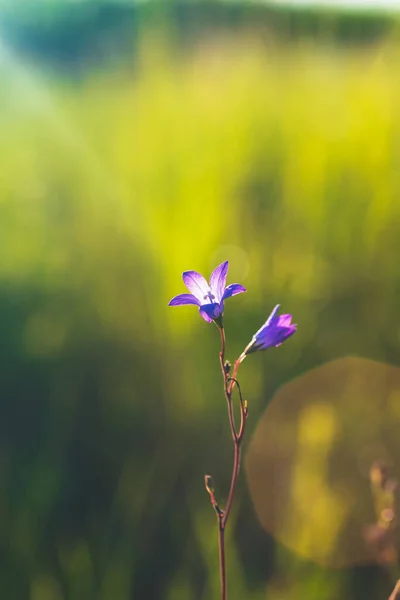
point(209, 296)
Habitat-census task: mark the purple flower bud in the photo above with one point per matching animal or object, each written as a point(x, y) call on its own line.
point(274, 332)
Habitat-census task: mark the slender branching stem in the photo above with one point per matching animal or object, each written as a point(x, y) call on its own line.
point(237, 437)
point(395, 595)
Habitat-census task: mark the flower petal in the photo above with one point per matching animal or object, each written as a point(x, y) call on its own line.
point(218, 280)
point(269, 321)
point(291, 330)
point(196, 284)
point(183, 299)
point(204, 315)
point(272, 315)
point(284, 320)
point(285, 335)
point(272, 335)
point(277, 335)
point(232, 290)
point(211, 311)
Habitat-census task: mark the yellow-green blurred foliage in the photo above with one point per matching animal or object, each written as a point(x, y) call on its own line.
point(284, 160)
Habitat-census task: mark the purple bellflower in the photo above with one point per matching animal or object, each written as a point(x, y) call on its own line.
point(274, 332)
point(208, 297)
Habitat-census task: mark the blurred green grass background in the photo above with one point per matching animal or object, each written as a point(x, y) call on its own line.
point(282, 158)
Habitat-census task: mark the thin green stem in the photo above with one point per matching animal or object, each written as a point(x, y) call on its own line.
point(237, 437)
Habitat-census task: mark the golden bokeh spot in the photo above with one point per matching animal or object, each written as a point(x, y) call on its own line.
point(309, 461)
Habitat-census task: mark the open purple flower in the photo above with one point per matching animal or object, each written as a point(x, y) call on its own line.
point(209, 297)
point(275, 330)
